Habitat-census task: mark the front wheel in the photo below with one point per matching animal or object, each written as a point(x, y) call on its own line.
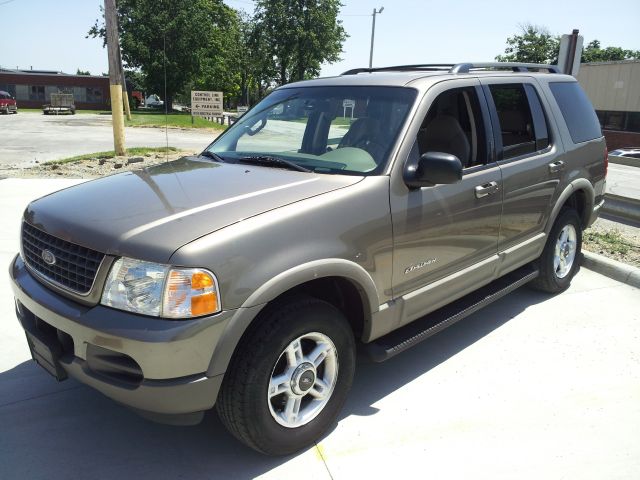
point(289, 377)
point(560, 258)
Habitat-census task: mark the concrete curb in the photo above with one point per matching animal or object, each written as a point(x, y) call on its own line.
point(611, 268)
point(629, 162)
point(625, 207)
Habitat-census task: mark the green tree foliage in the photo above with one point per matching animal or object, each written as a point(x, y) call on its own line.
point(176, 40)
point(595, 53)
point(298, 36)
point(83, 72)
point(534, 44)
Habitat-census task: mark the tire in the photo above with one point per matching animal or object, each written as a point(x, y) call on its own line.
point(558, 267)
point(248, 403)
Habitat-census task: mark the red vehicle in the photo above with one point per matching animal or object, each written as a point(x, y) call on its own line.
point(7, 103)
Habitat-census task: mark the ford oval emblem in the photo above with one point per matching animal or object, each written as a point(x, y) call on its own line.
point(48, 257)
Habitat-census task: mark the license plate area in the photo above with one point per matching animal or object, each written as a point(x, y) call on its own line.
point(46, 351)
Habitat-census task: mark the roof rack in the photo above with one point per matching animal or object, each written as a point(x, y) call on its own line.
point(460, 67)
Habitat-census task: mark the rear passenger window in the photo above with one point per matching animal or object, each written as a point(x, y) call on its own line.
point(516, 120)
point(454, 125)
point(577, 111)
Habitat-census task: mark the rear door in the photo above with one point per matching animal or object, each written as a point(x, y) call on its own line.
point(527, 152)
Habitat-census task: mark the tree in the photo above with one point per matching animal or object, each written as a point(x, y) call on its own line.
point(173, 40)
point(83, 72)
point(594, 53)
point(534, 44)
point(298, 36)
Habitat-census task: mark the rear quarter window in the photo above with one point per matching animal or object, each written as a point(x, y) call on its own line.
point(577, 111)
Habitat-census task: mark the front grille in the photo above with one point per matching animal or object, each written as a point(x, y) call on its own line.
point(75, 267)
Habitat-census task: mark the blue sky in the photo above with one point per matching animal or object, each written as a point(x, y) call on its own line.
point(408, 31)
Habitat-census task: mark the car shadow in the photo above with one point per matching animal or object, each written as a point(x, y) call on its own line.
point(66, 430)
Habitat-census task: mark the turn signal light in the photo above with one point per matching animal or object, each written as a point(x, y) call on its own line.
point(190, 292)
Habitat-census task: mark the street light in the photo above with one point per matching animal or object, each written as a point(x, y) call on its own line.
point(373, 32)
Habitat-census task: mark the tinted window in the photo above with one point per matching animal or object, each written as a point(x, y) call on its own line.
point(516, 120)
point(454, 125)
point(577, 111)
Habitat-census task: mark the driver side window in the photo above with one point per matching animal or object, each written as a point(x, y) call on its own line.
point(454, 125)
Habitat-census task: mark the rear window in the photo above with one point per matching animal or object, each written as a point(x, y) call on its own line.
point(577, 111)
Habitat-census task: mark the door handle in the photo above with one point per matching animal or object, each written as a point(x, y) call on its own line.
point(486, 189)
point(556, 166)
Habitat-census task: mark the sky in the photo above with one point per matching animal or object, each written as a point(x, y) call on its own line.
point(50, 34)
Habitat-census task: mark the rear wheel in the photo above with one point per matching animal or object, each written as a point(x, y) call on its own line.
point(289, 377)
point(560, 258)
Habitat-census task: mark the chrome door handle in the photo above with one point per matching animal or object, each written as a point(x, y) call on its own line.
point(486, 189)
point(556, 166)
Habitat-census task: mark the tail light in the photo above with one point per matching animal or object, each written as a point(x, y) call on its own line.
point(606, 160)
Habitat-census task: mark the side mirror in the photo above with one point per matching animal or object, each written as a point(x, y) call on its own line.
point(433, 168)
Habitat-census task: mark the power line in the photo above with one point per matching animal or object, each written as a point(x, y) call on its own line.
point(7, 1)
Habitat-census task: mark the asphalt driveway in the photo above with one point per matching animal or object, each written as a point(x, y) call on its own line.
point(532, 387)
point(30, 136)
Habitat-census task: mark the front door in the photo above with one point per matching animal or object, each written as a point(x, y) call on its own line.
point(446, 236)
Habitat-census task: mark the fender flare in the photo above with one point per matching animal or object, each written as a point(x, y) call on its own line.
point(577, 184)
point(281, 283)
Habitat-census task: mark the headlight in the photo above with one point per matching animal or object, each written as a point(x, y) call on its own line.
point(160, 290)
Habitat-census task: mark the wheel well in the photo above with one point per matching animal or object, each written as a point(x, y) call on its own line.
point(578, 201)
point(339, 292)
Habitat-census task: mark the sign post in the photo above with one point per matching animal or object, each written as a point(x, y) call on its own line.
point(206, 104)
point(348, 103)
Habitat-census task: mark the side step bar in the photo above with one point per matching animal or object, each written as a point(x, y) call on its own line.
point(415, 332)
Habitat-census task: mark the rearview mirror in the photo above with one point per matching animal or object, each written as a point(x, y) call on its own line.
point(433, 168)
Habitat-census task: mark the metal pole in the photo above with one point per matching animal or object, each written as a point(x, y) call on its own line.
point(373, 33)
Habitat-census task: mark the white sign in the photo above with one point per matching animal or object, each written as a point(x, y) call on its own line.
point(242, 110)
point(348, 103)
point(565, 54)
point(206, 104)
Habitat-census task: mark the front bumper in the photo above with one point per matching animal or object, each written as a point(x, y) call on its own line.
point(149, 364)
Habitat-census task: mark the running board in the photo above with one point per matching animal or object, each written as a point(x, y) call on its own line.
point(415, 332)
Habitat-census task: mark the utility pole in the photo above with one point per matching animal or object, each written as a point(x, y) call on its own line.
point(373, 33)
point(115, 78)
point(125, 94)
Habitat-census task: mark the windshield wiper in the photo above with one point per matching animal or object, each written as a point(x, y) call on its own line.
point(213, 156)
point(269, 161)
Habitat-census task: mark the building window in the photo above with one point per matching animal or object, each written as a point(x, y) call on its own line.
point(94, 95)
point(36, 92)
point(11, 89)
point(619, 121)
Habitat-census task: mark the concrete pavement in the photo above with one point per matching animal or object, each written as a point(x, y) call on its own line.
point(534, 386)
point(31, 136)
point(624, 180)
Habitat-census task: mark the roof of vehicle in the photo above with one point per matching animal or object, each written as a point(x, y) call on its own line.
point(402, 75)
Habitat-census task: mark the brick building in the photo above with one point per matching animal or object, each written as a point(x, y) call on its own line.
point(614, 90)
point(33, 88)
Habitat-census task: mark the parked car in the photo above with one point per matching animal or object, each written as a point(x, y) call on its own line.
point(153, 101)
point(631, 152)
point(7, 103)
point(245, 277)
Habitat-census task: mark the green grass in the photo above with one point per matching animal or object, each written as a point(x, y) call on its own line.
point(183, 120)
point(611, 241)
point(152, 118)
point(111, 154)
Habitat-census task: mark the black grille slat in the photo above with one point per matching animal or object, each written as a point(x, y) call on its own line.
point(76, 266)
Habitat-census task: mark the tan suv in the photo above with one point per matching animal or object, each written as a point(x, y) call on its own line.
point(375, 209)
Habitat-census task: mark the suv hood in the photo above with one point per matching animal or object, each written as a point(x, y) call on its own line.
point(150, 213)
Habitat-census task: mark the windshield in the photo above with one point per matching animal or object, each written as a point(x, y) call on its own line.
point(324, 129)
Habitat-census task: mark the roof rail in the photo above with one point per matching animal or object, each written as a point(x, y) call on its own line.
point(400, 68)
point(514, 66)
point(459, 67)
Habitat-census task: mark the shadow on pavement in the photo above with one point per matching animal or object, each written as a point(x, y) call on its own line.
point(66, 430)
